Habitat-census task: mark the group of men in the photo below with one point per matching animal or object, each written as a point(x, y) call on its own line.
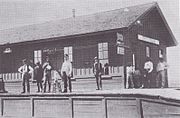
point(42, 74)
point(133, 77)
point(145, 79)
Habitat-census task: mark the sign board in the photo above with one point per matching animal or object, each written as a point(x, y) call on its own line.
point(49, 51)
point(7, 50)
point(119, 37)
point(119, 40)
point(147, 39)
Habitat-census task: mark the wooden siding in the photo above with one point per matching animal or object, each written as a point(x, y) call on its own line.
point(85, 48)
point(88, 106)
point(153, 27)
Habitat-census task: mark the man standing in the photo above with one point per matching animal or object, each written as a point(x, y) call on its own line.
point(66, 72)
point(161, 67)
point(26, 71)
point(97, 70)
point(129, 76)
point(38, 75)
point(47, 74)
point(148, 67)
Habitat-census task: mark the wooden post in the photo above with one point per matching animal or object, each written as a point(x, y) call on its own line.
point(32, 107)
point(104, 108)
point(139, 108)
point(2, 106)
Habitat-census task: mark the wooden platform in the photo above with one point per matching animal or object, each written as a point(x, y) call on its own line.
point(131, 103)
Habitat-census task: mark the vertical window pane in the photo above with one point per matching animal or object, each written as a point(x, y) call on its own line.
point(39, 53)
point(100, 55)
point(100, 47)
point(160, 53)
point(65, 50)
point(34, 54)
point(38, 56)
point(105, 54)
point(105, 46)
point(70, 50)
point(120, 50)
point(147, 52)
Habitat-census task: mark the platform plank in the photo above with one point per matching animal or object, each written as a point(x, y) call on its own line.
point(160, 110)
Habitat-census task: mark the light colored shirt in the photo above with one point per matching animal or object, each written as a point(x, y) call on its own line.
point(148, 66)
point(129, 70)
point(24, 69)
point(161, 66)
point(47, 66)
point(66, 67)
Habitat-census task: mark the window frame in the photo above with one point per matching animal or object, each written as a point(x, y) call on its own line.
point(103, 52)
point(37, 56)
point(69, 50)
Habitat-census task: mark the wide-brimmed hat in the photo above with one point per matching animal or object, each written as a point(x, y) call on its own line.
point(66, 55)
point(24, 60)
point(95, 58)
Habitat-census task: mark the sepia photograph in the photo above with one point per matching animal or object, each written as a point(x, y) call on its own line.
point(89, 59)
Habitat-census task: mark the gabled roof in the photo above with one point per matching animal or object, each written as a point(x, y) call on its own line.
point(103, 21)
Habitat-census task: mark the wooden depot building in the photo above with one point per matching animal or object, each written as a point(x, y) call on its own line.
point(116, 37)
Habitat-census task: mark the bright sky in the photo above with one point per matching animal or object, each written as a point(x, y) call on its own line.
point(15, 13)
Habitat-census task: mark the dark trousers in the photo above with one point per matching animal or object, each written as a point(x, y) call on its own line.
point(98, 81)
point(160, 79)
point(47, 80)
point(130, 81)
point(39, 85)
point(148, 80)
point(66, 80)
point(26, 81)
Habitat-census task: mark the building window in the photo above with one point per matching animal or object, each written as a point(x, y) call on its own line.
point(160, 53)
point(103, 52)
point(147, 51)
point(37, 56)
point(120, 50)
point(68, 50)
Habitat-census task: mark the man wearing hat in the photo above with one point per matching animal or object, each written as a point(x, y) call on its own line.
point(26, 71)
point(148, 67)
point(161, 73)
point(47, 74)
point(97, 70)
point(38, 75)
point(66, 72)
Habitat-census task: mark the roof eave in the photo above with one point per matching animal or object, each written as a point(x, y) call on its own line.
point(174, 41)
point(64, 37)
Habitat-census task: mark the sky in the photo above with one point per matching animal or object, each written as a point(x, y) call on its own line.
point(15, 13)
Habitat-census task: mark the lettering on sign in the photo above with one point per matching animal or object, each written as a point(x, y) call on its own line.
point(147, 39)
point(7, 50)
point(119, 40)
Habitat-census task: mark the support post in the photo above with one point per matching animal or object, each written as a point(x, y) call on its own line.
point(139, 108)
point(104, 108)
point(32, 107)
point(2, 106)
point(71, 107)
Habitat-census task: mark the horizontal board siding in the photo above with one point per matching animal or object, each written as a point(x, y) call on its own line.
point(159, 110)
point(17, 108)
point(52, 108)
point(88, 109)
point(122, 109)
